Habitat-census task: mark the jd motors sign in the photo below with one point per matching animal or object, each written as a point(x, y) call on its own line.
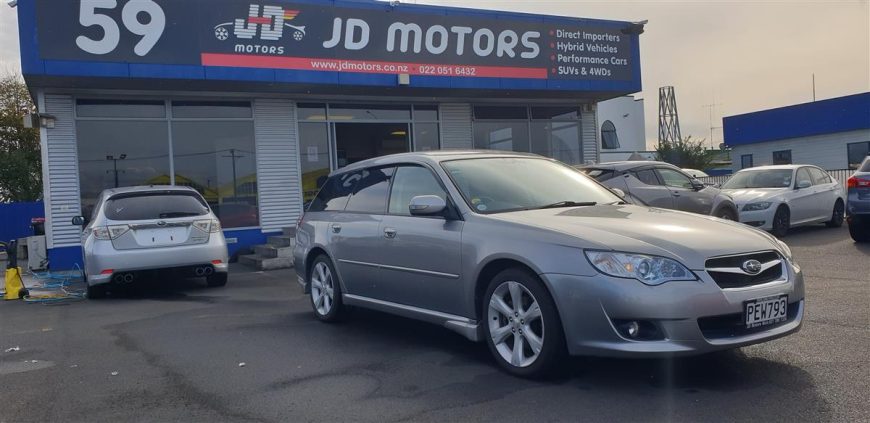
point(370, 38)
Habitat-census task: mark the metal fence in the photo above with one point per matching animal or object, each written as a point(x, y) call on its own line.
point(841, 175)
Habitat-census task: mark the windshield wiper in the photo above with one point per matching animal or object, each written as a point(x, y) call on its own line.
point(562, 204)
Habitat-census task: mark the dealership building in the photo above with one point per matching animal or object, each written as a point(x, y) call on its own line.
point(253, 103)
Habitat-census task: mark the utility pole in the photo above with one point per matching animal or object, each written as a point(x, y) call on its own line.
point(115, 166)
point(711, 108)
point(234, 156)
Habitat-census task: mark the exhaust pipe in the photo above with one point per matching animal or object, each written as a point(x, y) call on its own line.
point(200, 271)
point(128, 278)
point(118, 278)
point(208, 271)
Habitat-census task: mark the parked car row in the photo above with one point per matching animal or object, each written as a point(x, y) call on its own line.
point(539, 261)
point(531, 256)
point(773, 198)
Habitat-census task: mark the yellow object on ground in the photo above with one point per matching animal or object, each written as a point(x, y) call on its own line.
point(14, 286)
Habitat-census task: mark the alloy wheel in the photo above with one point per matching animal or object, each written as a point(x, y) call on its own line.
point(322, 288)
point(516, 324)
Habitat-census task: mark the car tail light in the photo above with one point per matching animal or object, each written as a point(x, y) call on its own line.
point(208, 226)
point(107, 271)
point(217, 261)
point(110, 232)
point(855, 182)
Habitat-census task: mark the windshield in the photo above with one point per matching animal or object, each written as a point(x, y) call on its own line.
point(152, 206)
point(777, 178)
point(495, 185)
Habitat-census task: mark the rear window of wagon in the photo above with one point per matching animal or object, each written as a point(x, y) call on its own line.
point(155, 205)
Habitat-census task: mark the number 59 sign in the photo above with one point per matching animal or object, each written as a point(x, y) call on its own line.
point(90, 15)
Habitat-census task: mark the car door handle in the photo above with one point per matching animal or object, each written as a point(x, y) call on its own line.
point(389, 233)
point(336, 228)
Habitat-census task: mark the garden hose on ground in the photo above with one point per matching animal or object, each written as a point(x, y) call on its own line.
point(57, 288)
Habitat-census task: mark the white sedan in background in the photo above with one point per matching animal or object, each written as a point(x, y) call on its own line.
point(776, 198)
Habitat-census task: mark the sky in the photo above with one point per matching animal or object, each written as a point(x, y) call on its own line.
point(738, 55)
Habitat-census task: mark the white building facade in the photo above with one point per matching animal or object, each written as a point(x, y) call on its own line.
point(621, 129)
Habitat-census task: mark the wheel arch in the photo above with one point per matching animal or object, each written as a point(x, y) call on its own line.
point(313, 253)
point(493, 267)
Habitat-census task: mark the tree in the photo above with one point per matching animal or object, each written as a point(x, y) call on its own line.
point(686, 153)
point(20, 158)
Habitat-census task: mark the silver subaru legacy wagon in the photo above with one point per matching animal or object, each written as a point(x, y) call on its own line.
point(538, 261)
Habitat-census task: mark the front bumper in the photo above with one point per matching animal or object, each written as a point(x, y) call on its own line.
point(762, 219)
point(100, 255)
point(588, 307)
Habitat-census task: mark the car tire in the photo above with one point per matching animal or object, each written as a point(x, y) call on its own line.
point(727, 214)
point(96, 291)
point(325, 290)
point(859, 230)
point(837, 216)
point(781, 221)
point(507, 327)
point(216, 280)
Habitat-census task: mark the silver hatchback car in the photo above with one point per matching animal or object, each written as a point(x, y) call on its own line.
point(155, 228)
point(537, 260)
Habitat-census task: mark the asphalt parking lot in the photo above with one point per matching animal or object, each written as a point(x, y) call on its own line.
point(176, 349)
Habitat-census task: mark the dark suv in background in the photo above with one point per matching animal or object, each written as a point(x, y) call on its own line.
point(663, 185)
point(858, 203)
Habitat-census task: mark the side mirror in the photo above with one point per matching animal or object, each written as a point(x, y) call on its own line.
point(803, 184)
point(79, 221)
point(619, 193)
point(427, 205)
point(698, 185)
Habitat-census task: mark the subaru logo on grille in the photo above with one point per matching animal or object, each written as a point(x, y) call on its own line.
point(753, 267)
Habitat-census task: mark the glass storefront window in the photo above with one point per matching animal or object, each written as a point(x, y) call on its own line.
point(217, 159)
point(501, 112)
point(121, 109)
point(314, 157)
point(343, 112)
point(507, 135)
point(426, 137)
point(208, 109)
point(308, 111)
point(552, 131)
point(119, 153)
point(559, 113)
point(212, 151)
point(559, 140)
point(425, 113)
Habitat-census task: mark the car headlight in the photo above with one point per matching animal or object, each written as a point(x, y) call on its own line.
point(651, 270)
point(762, 205)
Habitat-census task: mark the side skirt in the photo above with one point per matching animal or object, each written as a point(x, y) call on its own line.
point(461, 325)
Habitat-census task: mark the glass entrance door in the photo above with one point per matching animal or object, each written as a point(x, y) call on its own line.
point(358, 141)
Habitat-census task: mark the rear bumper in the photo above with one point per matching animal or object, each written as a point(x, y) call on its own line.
point(101, 257)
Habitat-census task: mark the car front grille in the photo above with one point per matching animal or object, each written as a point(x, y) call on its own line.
point(729, 272)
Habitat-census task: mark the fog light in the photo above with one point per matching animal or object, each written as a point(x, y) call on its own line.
point(632, 329)
point(638, 330)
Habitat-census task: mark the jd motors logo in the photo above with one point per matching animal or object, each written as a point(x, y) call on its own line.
point(264, 23)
